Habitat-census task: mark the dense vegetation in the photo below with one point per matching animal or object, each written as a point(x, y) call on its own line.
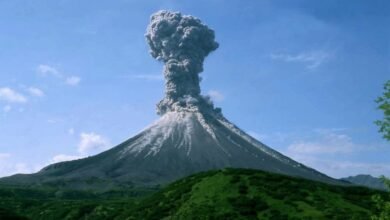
point(225, 194)
point(51, 203)
point(384, 105)
point(249, 194)
point(383, 203)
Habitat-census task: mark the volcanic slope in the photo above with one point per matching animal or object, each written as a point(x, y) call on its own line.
point(177, 145)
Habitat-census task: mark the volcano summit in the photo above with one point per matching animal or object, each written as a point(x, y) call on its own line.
point(191, 135)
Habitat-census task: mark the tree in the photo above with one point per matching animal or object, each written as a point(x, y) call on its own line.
point(381, 204)
point(384, 105)
point(384, 127)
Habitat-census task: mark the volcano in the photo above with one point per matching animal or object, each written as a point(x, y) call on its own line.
point(178, 144)
point(190, 136)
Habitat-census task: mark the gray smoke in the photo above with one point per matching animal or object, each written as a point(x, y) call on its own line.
point(182, 42)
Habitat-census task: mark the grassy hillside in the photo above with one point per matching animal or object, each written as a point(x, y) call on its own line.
point(226, 194)
point(249, 194)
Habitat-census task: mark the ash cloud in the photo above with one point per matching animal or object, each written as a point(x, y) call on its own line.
point(182, 42)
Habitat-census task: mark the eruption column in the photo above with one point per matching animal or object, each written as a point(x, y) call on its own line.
point(182, 42)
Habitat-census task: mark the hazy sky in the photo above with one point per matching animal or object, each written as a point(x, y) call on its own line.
point(76, 77)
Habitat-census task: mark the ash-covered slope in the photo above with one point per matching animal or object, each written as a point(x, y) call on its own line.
point(190, 136)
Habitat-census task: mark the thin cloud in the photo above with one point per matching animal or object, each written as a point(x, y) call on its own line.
point(342, 168)
point(9, 167)
point(311, 60)
point(10, 95)
point(329, 143)
point(73, 80)
point(326, 145)
point(23, 168)
point(35, 92)
point(55, 120)
point(7, 108)
point(47, 70)
point(4, 156)
point(70, 131)
point(148, 77)
point(91, 143)
point(216, 95)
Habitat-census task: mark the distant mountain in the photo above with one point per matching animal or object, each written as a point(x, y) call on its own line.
point(366, 180)
point(225, 194)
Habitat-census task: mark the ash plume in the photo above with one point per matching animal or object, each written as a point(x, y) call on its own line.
point(182, 42)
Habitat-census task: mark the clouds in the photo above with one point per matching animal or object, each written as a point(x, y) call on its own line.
point(73, 80)
point(89, 144)
point(8, 166)
point(311, 60)
point(334, 153)
point(71, 131)
point(11, 96)
point(35, 92)
point(45, 70)
point(92, 143)
point(328, 143)
point(4, 156)
point(339, 168)
point(7, 108)
point(148, 77)
point(216, 95)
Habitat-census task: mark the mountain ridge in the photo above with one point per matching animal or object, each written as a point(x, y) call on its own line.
point(367, 181)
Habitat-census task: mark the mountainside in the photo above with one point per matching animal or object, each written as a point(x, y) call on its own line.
point(225, 194)
point(366, 180)
point(177, 145)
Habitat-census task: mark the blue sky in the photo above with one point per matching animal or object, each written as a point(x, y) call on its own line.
point(76, 77)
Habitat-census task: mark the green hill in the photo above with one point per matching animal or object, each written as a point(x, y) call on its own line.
point(250, 194)
point(224, 194)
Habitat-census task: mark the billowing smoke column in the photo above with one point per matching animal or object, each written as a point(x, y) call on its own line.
point(182, 42)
